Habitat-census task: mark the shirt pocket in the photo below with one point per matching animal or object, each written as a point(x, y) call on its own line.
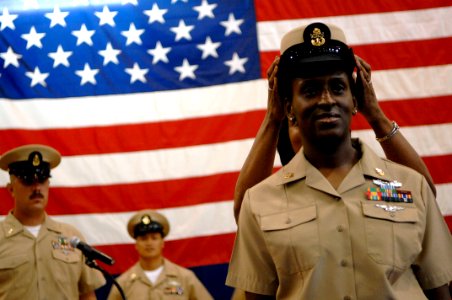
point(292, 238)
point(67, 262)
point(14, 272)
point(393, 237)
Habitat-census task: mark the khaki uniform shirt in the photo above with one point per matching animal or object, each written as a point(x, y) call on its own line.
point(299, 238)
point(175, 282)
point(46, 267)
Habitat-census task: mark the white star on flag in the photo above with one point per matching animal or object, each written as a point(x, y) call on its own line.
point(155, 14)
point(7, 19)
point(87, 75)
point(106, 16)
point(236, 64)
point(60, 57)
point(159, 53)
point(33, 38)
point(136, 73)
point(209, 48)
point(57, 17)
point(10, 58)
point(83, 35)
point(133, 35)
point(186, 70)
point(232, 25)
point(205, 10)
point(110, 54)
point(37, 77)
point(182, 31)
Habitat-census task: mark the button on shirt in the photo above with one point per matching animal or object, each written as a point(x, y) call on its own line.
point(339, 245)
point(43, 267)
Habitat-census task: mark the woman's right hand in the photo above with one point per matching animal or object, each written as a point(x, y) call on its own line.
point(275, 107)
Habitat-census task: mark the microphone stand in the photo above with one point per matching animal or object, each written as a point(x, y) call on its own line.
point(93, 264)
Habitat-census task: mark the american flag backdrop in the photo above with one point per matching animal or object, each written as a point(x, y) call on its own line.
point(155, 104)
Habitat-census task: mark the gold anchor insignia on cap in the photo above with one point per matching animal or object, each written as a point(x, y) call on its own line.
point(317, 37)
point(146, 219)
point(36, 161)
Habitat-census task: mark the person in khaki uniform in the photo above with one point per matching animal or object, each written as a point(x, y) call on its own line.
point(36, 258)
point(337, 222)
point(153, 276)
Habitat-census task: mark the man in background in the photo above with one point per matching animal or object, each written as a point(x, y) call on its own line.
point(153, 276)
point(36, 258)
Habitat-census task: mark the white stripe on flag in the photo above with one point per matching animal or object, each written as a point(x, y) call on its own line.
point(388, 27)
point(186, 222)
point(204, 160)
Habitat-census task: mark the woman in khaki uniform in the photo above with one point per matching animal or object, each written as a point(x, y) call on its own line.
point(326, 226)
point(153, 276)
point(36, 258)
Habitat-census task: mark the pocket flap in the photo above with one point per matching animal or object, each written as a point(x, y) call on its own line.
point(391, 212)
point(12, 262)
point(288, 219)
point(68, 257)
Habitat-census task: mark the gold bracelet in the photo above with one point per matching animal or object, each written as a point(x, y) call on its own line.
point(395, 128)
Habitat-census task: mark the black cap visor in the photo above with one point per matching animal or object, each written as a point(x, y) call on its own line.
point(29, 174)
point(304, 59)
point(142, 229)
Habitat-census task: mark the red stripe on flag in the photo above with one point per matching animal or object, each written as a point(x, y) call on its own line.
point(435, 110)
point(151, 136)
point(135, 196)
point(200, 251)
point(449, 222)
point(170, 193)
point(436, 166)
point(269, 10)
point(137, 137)
point(392, 55)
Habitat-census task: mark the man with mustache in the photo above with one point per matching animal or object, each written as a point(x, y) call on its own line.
point(36, 258)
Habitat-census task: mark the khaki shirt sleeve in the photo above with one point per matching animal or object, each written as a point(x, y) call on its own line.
point(197, 289)
point(434, 265)
point(90, 279)
point(251, 267)
point(114, 293)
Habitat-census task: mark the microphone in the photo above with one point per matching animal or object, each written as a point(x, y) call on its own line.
point(91, 252)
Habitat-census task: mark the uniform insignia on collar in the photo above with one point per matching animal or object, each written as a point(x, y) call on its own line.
point(379, 171)
point(62, 244)
point(288, 175)
point(173, 287)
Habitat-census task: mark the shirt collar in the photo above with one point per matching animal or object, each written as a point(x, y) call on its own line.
point(372, 166)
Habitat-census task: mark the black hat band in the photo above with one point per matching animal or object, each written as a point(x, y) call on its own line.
point(301, 55)
point(142, 228)
point(32, 170)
